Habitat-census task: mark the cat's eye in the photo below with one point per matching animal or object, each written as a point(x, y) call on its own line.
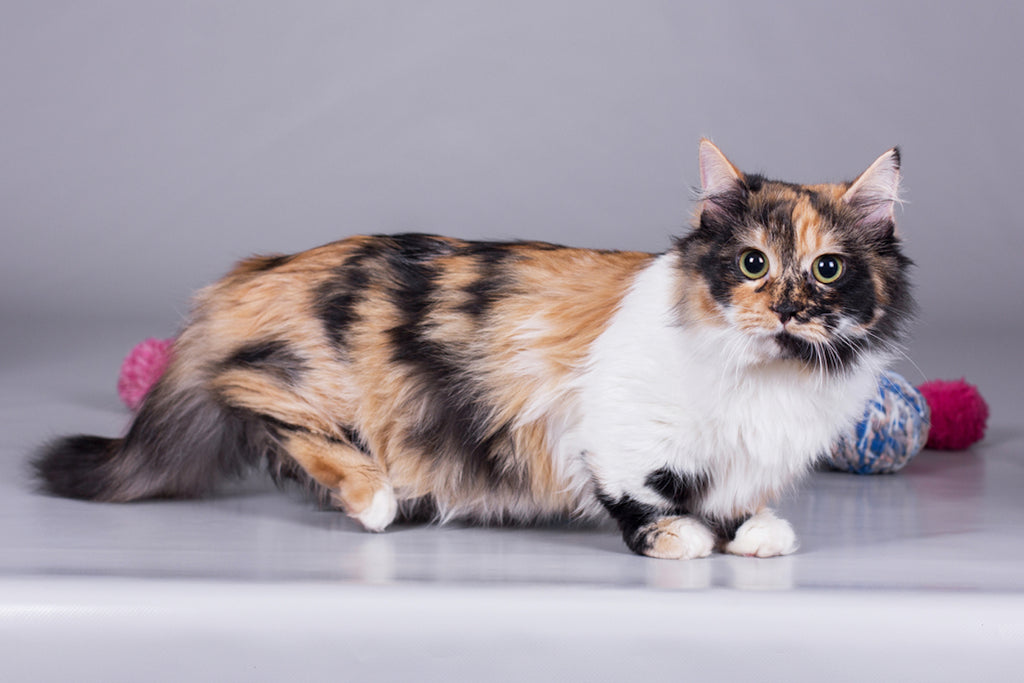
point(827, 268)
point(753, 264)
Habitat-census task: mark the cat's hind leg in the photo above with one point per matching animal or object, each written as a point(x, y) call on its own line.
point(268, 381)
point(763, 535)
point(356, 482)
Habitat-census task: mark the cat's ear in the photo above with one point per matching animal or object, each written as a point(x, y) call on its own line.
point(875, 193)
point(717, 174)
point(722, 186)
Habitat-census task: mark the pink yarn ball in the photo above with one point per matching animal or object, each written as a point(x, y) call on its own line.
point(141, 368)
point(959, 414)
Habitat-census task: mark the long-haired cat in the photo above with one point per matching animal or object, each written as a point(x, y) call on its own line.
point(400, 375)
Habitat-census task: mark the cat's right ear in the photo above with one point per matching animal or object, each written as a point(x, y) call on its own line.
point(720, 181)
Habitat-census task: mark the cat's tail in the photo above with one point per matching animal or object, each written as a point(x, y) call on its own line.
point(183, 441)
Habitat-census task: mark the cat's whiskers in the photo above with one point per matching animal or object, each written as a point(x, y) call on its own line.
point(746, 343)
point(897, 348)
point(819, 365)
point(731, 354)
point(834, 360)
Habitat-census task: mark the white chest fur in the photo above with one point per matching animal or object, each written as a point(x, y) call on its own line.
point(694, 398)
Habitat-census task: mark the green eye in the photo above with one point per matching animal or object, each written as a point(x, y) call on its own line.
point(753, 264)
point(827, 268)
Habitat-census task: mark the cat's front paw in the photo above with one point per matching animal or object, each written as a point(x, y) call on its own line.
point(763, 535)
point(675, 538)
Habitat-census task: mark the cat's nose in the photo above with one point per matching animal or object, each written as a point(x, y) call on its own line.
point(785, 310)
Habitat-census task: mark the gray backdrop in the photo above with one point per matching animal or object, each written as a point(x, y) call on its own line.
point(147, 145)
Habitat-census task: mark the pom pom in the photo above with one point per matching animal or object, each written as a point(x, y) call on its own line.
point(893, 430)
point(141, 368)
point(959, 414)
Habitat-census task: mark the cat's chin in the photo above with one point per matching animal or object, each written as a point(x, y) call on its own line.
point(827, 357)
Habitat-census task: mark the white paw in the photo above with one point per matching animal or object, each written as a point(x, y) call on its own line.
point(763, 535)
point(380, 512)
point(679, 538)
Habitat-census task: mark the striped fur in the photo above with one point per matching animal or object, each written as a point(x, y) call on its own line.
point(410, 374)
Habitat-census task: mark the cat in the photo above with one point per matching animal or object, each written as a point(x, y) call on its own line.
point(415, 376)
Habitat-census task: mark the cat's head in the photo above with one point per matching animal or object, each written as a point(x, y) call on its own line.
point(811, 273)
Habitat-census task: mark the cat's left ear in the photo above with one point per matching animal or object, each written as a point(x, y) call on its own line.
point(722, 188)
point(876, 192)
point(718, 176)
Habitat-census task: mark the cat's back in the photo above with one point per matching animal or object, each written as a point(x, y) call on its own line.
point(417, 291)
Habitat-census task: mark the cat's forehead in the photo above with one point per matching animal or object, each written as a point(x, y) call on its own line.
point(796, 220)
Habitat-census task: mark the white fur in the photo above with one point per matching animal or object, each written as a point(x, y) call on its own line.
point(702, 398)
point(380, 512)
point(763, 535)
point(687, 539)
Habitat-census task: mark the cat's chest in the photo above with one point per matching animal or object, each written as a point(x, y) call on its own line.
point(703, 410)
point(657, 389)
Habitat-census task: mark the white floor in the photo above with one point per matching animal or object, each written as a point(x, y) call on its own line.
point(914, 576)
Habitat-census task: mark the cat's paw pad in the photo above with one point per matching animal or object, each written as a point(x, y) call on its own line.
point(380, 512)
point(763, 535)
point(677, 538)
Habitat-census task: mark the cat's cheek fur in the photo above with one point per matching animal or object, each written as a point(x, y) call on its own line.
point(662, 393)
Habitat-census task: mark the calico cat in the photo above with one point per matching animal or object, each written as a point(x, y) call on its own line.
point(407, 375)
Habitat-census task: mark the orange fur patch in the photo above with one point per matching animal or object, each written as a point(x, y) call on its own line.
point(350, 475)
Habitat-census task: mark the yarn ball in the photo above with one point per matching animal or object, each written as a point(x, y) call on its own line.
point(893, 430)
point(141, 368)
point(959, 414)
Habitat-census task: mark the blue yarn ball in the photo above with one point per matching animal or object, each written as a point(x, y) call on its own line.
point(893, 430)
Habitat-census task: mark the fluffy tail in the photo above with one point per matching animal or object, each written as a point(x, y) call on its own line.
point(182, 442)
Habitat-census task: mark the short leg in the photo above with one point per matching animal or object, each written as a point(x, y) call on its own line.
point(677, 538)
point(357, 482)
point(763, 535)
point(648, 531)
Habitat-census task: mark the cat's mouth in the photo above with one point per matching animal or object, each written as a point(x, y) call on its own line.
point(793, 347)
point(832, 355)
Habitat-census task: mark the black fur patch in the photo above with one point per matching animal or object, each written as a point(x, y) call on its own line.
point(413, 276)
point(337, 299)
point(356, 439)
point(725, 529)
point(683, 491)
point(492, 280)
point(631, 516)
point(273, 357)
point(417, 510)
point(456, 422)
point(75, 466)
